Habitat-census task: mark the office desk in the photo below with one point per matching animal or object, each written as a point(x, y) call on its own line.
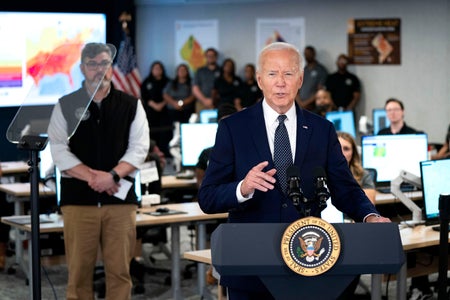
point(18, 193)
point(172, 182)
point(14, 167)
point(203, 256)
point(388, 198)
point(193, 213)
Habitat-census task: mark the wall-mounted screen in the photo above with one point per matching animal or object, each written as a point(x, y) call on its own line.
point(31, 40)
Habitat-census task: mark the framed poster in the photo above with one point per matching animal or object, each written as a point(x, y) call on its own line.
point(290, 30)
point(192, 38)
point(374, 41)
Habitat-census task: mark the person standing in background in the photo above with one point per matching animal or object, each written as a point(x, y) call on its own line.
point(315, 75)
point(157, 113)
point(179, 97)
point(227, 86)
point(345, 87)
point(204, 81)
point(250, 91)
point(102, 154)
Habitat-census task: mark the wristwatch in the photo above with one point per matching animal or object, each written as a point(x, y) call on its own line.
point(115, 176)
point(180, 103)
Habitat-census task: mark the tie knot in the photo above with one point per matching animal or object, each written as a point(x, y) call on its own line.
point(281, 118)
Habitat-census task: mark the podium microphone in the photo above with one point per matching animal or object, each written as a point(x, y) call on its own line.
point(294, 191)
point(322, 192)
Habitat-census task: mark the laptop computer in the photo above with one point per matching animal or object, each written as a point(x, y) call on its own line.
point(435, 176)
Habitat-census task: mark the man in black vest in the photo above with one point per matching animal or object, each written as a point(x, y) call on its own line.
point(98, 158)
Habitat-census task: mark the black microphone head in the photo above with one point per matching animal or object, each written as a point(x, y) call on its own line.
point(293, 171)
point(319, 172)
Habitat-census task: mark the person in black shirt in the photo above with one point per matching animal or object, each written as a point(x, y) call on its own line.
point(345, 87)
point(250, 91)
point(396, 112)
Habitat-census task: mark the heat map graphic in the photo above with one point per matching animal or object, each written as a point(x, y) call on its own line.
point(192, 53)
point(57, 60)
point(40, 62)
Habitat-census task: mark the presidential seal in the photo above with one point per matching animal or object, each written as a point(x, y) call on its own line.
point(310, 246)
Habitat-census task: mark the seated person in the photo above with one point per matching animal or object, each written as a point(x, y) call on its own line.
point(444, 152)
point(361, 175)
point(395, 112)
point(323, 102)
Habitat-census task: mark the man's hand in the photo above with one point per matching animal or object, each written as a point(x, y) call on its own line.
point(102, 181)
point(377, 219)
point(256, 179)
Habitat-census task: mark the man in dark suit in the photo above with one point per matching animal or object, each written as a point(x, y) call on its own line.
point(242, 177)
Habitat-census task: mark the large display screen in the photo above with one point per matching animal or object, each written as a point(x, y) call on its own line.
point(32, 40)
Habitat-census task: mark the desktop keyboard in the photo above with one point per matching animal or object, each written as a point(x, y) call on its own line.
point(438, 227)
point(403, 188)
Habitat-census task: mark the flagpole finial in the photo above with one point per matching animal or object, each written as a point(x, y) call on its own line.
point(124, 18)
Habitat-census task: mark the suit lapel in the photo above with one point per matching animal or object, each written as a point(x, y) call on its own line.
point(304, 131)
point(257, 130)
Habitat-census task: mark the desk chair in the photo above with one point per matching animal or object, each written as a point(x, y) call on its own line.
point(373, 173)
point(154, 235)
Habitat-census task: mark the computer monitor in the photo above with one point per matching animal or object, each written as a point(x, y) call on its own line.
point(390, 154)
point(195, 137)
point(343, 121)
point(435, 176)
point(380, 119)
point(208, 116)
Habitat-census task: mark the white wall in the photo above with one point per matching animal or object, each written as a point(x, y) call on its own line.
point(421, 81)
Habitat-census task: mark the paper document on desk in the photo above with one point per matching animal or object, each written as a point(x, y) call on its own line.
point(125, 186)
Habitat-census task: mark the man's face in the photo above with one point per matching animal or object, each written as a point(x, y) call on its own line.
point(394, 112)
point(323, 99)
point(309, 55)
point(93, 70)
point(211, 58)
point(280, 78)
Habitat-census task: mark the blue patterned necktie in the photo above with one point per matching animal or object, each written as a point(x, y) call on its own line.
point(282, 155)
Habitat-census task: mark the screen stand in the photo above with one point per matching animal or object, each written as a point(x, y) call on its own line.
point(34, 144)
point(407, 177)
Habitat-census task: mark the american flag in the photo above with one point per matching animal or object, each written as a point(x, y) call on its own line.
point(126, 75)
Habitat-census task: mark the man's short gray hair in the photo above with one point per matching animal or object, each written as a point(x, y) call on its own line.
point(91, 50)
point(280, 46)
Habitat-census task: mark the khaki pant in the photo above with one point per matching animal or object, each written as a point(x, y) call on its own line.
point(113, 228)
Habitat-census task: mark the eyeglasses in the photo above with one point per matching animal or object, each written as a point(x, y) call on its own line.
point(93, 65)
point(393, 109)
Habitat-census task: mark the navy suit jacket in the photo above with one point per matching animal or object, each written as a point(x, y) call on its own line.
point(242, 143)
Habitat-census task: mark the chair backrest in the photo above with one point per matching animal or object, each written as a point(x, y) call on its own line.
point(373, 173)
